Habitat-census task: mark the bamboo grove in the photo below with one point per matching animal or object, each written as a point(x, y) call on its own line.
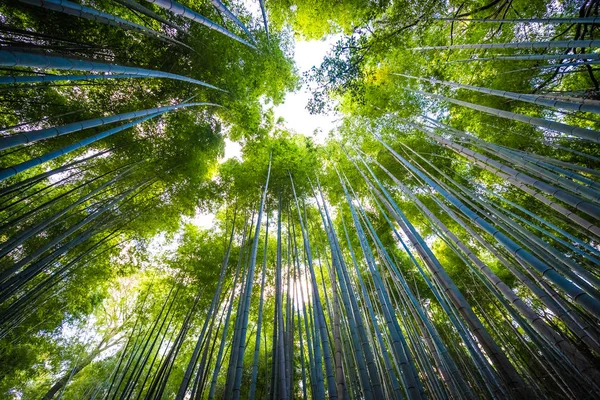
point(441, 243)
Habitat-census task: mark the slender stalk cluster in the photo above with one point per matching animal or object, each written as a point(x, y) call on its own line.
point(387, 274)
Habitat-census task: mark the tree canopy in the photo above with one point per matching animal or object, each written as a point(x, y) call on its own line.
point(442, 241)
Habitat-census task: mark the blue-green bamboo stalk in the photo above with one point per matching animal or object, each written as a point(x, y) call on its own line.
point(574, 239)
point(374, 388)
point(580, 276)
point(352, 325)
point(529, 98)
point(314, 346)
point(32, 136)
point(328, 306)
point(212, 309)
point(260, 318)
point(397, 392)
point(554, 44)
point(248, 293)
point(373, 309)
point(5, 80)
point(186, 12)
point(280, 381)
point(510, 375)
point(71, 8)
point(577, 370)
point(569, 245)
point(542, 162)
point(522, 181)
point(545, 252)
point(314, 325)
point(136, 372)
point(417, 330)
point(555, 66)
point(215, 374)
point(578, 295)
point(221, 7)
point(235, 341)
point(409, 379)
point(414, 337)
point(548, 352)
point(522, 160)
point(535, 57)
point(573, 20)
point(292, 256)
point(13, 277)
point(397, 273)
point(138, 7)
point(15, 58)
point(18, 239)
point(547, 295)
point(15, 169)
point(380, 282)
point(548, 233)
point(489, 377)
point(568, 214)
point(584, 133)
point(400, 357)
point(361, 346)
point(315, 382)
point(320, 317)
point(264, 15)
point(579, 153)
point(432, 332)
point(334, 316)
point(302, 365)
point(554, 339)
point(495, 167)
point(588, 188)
point(30, 182)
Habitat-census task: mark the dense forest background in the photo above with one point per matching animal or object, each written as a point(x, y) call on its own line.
point(441, 242)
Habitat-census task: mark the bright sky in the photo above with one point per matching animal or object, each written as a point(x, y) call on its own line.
point(293, 110)
point(232, 149)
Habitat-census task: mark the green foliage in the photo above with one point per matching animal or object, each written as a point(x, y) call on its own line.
point(107, 282)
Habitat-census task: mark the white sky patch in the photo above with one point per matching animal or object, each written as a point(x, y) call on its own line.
point(160, 244)
point(65, 174)
point(232, 149)
point(293, 110)
point(59, 176)
point(253, 7)
point(302, 287)
point(202, 220)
